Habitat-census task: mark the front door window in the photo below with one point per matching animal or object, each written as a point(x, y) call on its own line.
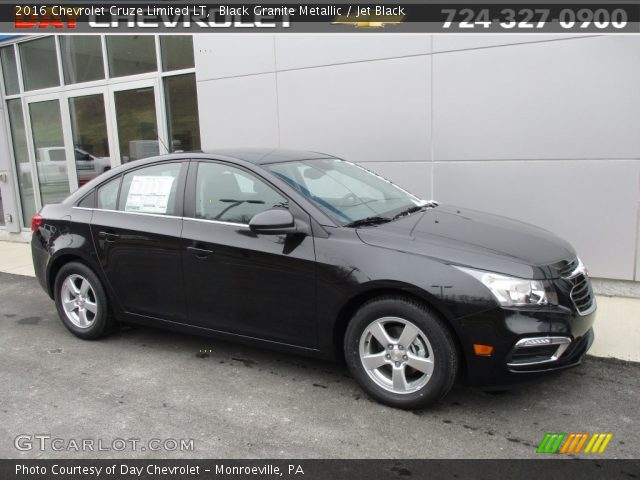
point(228, 194)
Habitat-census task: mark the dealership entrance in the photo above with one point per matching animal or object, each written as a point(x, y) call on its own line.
point(80, 105)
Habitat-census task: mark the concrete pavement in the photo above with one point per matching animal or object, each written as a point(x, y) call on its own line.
point(15, 257)
point(239, 402)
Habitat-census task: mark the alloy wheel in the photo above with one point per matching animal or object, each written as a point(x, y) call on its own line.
point(396, 355)
point(79, 301)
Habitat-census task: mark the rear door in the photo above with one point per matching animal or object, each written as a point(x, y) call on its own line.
point(136, 229)
point(236, 281)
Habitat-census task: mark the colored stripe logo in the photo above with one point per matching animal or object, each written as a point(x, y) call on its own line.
point(573, 443)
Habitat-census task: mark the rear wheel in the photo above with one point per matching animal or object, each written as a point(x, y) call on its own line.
point(82, 302)
point(400, 352)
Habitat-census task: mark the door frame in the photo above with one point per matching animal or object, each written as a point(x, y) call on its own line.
point(67, 139)
point(161, 127)
point(85, 92)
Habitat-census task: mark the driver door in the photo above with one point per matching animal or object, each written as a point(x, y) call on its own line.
point(236, 281)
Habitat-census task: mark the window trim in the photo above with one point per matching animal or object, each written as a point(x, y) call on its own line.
point(180, 189)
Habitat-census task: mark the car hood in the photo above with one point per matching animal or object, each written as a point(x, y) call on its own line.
point(475, 239)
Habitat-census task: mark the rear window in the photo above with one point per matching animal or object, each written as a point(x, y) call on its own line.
point(108, 194)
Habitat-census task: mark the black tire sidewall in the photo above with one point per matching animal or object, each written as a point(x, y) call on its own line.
point(445, 355)
point(102, 323)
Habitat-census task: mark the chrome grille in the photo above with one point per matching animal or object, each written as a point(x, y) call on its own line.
point(565, 271)
point(581, 293)
point(574, 283)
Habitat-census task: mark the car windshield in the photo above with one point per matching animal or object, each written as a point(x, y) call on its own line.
point(346, 192)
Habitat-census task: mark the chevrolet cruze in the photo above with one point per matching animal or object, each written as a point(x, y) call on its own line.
point(310, 254)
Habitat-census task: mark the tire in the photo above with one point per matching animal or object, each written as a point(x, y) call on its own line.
point(432, 351)
point(82, 302)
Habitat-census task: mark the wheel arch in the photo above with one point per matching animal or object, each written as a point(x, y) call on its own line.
point(349, 308)
point(60, 260)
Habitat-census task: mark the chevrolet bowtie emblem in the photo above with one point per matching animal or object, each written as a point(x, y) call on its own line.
point(368, 21)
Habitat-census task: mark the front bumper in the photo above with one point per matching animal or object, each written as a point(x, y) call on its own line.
point(504, 328)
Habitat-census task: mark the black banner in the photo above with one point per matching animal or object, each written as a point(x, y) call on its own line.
point(547, 469)
point(318, 17)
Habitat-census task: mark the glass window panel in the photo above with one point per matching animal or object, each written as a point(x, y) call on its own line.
point(151, 189)
point(344, 191)
point(176, 51)
point(182, 112)
point(81, 58)
point(88, 201)
point(131, 54)
point(9, 70)
point(229, 194)
point(90, 140)
point(39, 63)
point(137, 123)
point(51, 164)
point(108, 195)
point(21, 155)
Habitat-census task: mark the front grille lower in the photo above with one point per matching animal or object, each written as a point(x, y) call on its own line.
point(531, 355)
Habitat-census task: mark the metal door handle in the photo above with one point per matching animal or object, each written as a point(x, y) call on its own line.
point(200, 252)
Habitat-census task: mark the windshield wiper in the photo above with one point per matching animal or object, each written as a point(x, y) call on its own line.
point(415, 208)
point(363, 222)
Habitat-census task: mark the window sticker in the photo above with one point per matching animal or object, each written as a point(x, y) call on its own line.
point(149, 194)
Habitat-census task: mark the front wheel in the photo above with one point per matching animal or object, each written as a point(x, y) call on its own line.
point(400, 352)
point(82, 302)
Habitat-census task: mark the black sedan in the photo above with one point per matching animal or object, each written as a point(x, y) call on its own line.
point(310, 254)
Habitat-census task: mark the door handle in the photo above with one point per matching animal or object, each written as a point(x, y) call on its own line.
point(108, 236)
point(200, 252)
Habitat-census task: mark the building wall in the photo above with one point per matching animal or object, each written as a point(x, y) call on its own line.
point(541, 128)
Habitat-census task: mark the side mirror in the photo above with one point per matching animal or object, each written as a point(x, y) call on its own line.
point(276, 221)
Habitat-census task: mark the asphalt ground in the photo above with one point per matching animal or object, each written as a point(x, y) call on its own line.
point(239, 402)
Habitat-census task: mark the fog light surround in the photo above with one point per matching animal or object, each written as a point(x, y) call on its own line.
point(536, 350)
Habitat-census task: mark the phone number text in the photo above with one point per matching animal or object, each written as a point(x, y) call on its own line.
point(535, 18)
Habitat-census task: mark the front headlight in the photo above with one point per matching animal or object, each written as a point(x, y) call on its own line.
point(512, 291)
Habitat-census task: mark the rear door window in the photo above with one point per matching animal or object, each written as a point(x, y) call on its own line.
point(108, 194)
point(151, 189)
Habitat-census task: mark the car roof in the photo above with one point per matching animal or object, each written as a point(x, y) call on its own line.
point(261, 156)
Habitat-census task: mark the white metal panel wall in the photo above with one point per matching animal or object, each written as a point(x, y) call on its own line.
point(366, 112)
point(542, 128)
point(303, 51)
point(569, 99)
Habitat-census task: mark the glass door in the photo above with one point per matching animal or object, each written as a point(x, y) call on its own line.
point(91, 136)
point(137, 116)
point(51, 149)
